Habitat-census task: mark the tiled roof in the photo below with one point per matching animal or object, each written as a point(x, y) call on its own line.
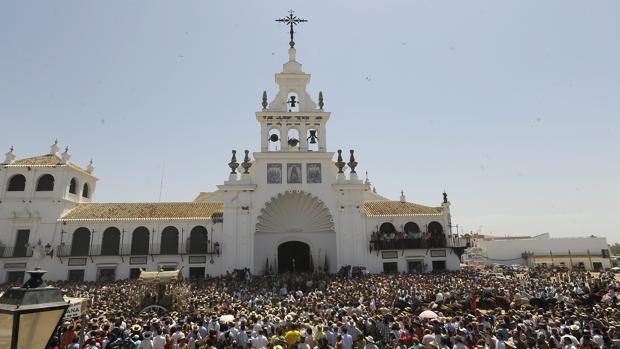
point(397, 208)
point(48, 160)
point(144, 211)
point(43, 160)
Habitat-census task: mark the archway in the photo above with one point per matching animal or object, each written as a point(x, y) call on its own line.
point(293, 256)
point(294, 221)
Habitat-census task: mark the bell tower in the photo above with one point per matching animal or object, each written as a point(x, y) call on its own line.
point(292, 121)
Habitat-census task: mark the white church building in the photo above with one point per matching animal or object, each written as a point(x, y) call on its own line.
point(293, 206)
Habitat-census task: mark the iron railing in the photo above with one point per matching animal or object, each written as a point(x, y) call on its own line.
point(15, 251)
point(126, 250)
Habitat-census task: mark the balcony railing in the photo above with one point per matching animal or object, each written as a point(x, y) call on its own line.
point(15, 252)
point(404, 244)
point(126, 250)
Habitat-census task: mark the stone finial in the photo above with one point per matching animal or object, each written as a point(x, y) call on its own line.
point(402, 196)
point(64, 157)
point(233, 164)
point(90, 168)
point(340, 163)
point(321, 104)
point(265, 104)
point(246, 164)
point(54, 148)
point(9, 157)
point(445, 197)
point(352, 163)
point(367, 181)
point(374, 190)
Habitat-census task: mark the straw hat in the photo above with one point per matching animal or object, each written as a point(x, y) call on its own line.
point(369, 339)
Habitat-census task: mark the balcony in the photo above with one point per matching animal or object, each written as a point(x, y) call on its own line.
point(407, 243)
point(15, 252)
point(126, 250)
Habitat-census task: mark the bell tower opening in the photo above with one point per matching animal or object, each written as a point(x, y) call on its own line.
point(274, 139)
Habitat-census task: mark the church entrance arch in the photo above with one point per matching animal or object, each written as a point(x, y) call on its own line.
point(294, 224)
point(293, 256)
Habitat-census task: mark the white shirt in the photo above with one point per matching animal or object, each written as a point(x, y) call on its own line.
point(260, 342)
point(347, 341)
point(146, 343)
point(159, 342)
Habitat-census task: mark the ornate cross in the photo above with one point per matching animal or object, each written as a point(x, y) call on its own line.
point(291, 20)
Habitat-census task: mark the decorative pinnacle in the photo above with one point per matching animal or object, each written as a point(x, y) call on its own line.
point(340, 163)
point(233, 164)
point(265, 104)
point(352, 163)
point(291, 20)
point(246, 164)
point(321, 104)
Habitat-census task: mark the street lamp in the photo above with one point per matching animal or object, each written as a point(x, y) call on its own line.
point(32, 306)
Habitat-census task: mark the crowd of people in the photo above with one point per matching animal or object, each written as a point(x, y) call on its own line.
point(457, 310)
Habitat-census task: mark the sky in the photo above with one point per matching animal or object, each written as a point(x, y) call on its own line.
point(512, 107)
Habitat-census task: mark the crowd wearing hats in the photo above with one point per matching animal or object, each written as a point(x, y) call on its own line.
point(456, 310)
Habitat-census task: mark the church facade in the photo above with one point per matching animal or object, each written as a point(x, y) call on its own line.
point(293, 206)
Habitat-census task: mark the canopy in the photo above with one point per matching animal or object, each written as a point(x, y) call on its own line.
point(428, 314)
point(160, 276)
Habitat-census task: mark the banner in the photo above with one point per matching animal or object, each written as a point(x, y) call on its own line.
point(77, 307)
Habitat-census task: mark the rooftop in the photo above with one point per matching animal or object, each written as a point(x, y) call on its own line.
point(90, 212)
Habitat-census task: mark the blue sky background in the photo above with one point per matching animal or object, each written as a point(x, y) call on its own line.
point(512, 107)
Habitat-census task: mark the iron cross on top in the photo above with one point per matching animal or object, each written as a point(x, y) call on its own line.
point(291, 20)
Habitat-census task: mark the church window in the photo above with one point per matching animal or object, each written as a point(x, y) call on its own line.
point(169, 241)
point(110, 242)
point(274, 173)
point(140, 241)
point(17, 183)
point(293, 173)
point(73, 186)
point(313, 172)
point(45, 183)
point(85, 191)
point(80, 242)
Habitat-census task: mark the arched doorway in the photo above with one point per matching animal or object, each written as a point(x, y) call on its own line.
point(293, 256)
point(294, 221)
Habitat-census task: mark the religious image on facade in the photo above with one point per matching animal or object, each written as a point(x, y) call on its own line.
point(313, 172)
point(274, 173)
point(293, 173)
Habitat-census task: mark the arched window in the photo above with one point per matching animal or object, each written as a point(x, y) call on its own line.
point(275, 140)
point(110, 242)
point(434, 228)
point(80, 242)
point(169, 241)
point(45, 183)
point(412, 228)
point(140, 241)
point(17, 183)
point(293, 139)
point(86, 191)
point(437, 237)
point(73, 186)
point(198, 240)
point(387, 228)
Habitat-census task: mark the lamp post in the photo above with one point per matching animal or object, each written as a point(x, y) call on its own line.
point(32, 306)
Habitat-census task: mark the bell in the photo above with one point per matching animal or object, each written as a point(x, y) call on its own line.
point(313, 137)
point(293, 142)
point(293, 102)
point(274, 138)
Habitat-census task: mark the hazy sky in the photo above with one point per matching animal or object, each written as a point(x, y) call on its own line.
point(512, 107)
